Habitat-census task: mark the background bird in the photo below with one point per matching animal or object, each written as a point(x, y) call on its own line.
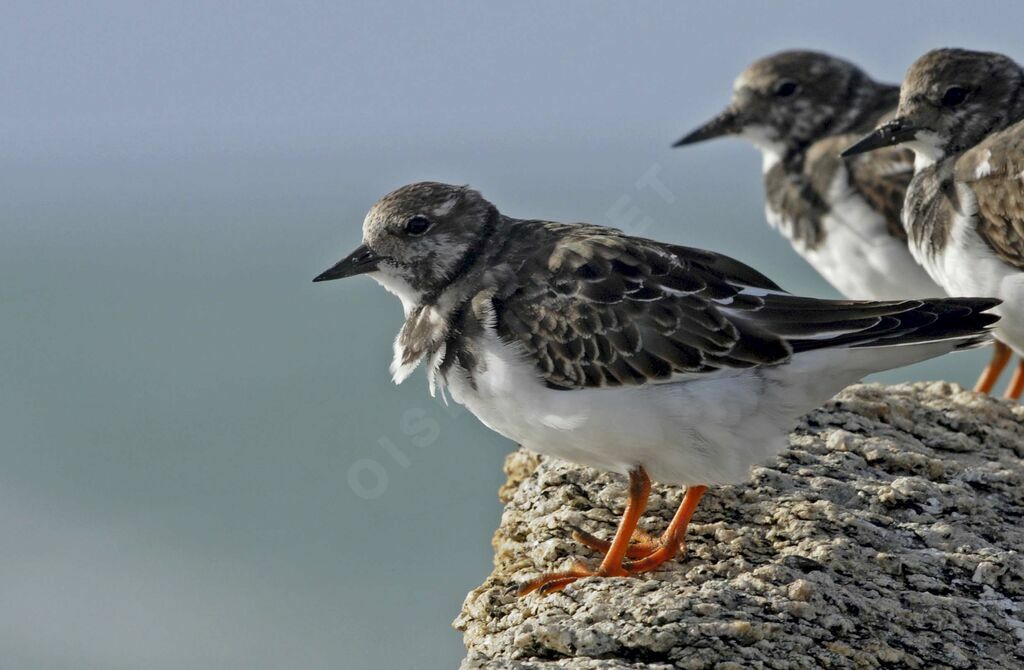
point(623, 353)
point(801, 108)
point(960, 113)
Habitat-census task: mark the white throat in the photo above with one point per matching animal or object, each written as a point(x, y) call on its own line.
point(398, 286)
point(771, 149)
point(927, 149)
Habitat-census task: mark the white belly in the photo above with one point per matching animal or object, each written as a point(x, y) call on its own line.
point(706, 431)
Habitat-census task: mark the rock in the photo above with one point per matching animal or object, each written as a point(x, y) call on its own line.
point(890, 535)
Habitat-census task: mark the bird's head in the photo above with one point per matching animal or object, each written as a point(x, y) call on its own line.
point(950, 100)
point(791, 99)
point(417, 238)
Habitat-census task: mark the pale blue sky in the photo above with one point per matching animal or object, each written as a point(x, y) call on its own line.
point(199, 77)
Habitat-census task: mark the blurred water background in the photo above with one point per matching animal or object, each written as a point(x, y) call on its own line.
point(203, 463)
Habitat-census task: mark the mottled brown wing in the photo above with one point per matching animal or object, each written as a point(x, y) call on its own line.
point(994, 170)
point(599, 309)
point(880, 177)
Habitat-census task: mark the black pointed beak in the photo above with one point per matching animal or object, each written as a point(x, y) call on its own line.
point(894, 132)
point(360, 261)
point(726, 123)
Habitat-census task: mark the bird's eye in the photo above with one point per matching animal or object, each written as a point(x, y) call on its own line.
point(785, 89)
point(953, 96)
point(417, 225)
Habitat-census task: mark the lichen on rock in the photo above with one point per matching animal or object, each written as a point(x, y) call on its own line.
point(888, 536)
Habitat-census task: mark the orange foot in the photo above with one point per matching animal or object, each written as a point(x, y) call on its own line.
point(550, 582)
point(640, 544)
point(650, 557)
point(647, 552)
point(650, 553)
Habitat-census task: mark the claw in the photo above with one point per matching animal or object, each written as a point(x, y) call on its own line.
point(555, 585)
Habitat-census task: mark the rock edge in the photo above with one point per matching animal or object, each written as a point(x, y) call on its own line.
point(888, 536)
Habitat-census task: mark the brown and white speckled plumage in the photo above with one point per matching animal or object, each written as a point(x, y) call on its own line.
point(831, 96)
point(842, 216)
point(961, 112)
point(603, 348)
point(995, 99)
point(994, 172)
point(797, 189)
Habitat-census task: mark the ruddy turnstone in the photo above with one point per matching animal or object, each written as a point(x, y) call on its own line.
point(960, 111)
point(801, 108)
point(625, 354)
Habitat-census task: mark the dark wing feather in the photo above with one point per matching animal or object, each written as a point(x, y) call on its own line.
point(809, 323)
point(993, 170)
point(595, 308)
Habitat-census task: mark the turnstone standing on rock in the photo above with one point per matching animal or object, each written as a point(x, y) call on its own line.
point(960, 111)
point(622, 353)
point(801, 108)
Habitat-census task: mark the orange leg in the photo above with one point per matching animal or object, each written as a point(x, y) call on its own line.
point(674, 535)
point(644, 545)
point(611, 566)
point(990, 375)
point(1016, 386)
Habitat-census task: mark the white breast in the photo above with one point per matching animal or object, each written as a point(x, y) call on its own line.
point(968, 267)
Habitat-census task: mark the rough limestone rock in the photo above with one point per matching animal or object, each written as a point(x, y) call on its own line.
point(889, 536)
